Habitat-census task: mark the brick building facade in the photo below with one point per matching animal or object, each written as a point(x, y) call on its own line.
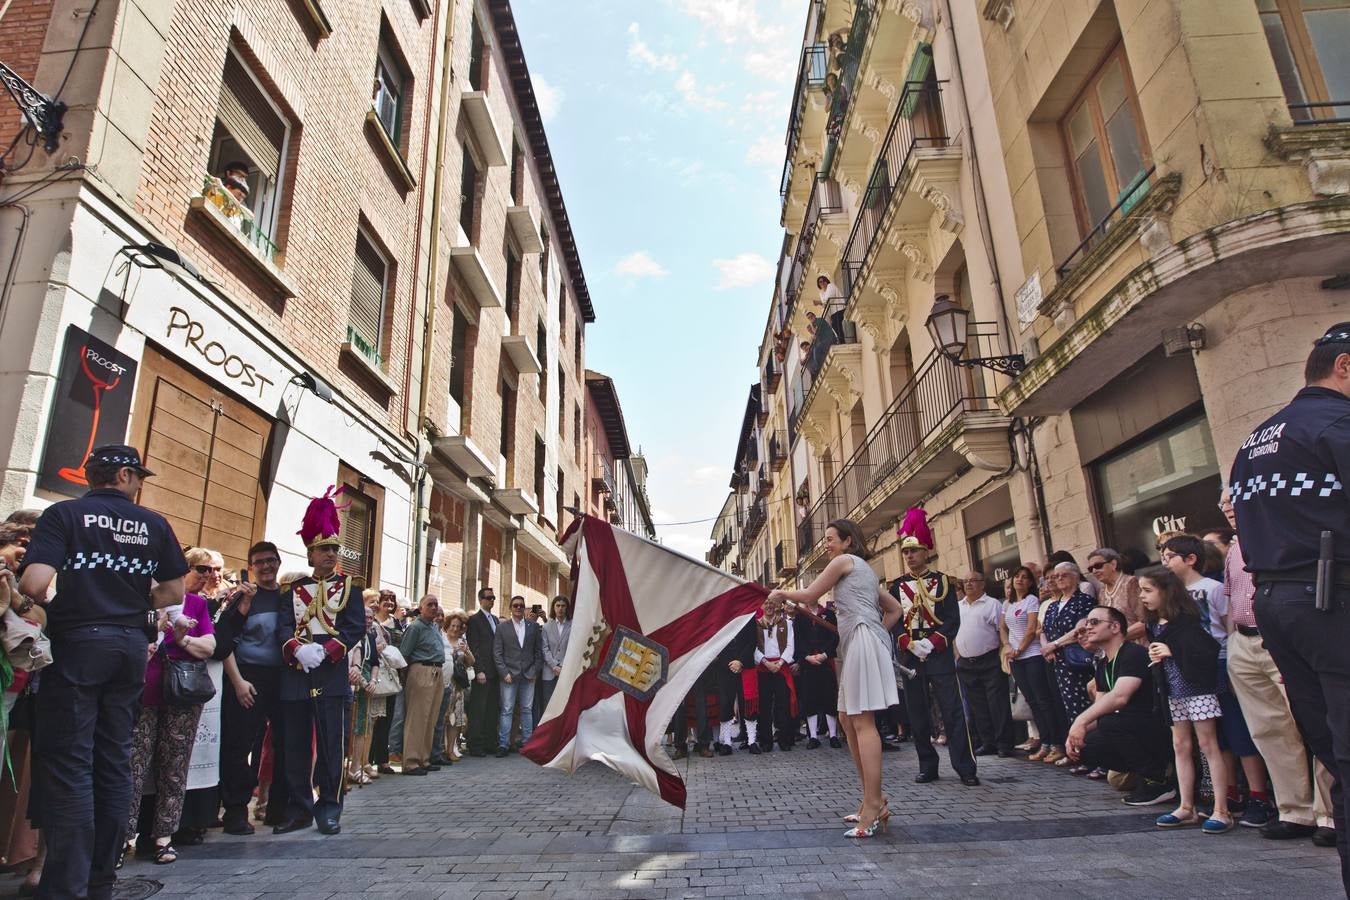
point(262, 332)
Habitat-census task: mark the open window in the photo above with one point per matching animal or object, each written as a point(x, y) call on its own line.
point(390, 92)
point(250, 134)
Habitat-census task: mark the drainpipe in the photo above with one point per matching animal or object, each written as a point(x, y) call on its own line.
point(420, 511)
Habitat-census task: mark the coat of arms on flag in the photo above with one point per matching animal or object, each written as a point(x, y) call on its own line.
point(646, 622)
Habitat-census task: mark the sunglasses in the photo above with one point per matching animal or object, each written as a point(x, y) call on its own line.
point(1092, 621)
point(206, 570)
point(517, 605)
point(1096, 566)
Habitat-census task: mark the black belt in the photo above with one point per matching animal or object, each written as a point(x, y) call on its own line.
point(420, 663)
point(1340, 575)
point(1249, 631)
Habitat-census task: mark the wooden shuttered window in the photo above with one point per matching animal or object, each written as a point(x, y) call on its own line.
point(357, 533)
point(365, 324)
point(250, 119)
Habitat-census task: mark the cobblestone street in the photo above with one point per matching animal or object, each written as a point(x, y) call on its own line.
point(754, 825)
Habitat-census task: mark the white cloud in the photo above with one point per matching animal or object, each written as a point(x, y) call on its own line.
point(767, 150)
point(708, 474)
point(733, 20)
point(742, 270)
point(639, 264)
point(547, 96)
point(639, 52)
point(688, 544)
point(687, 87)
point(771, 63)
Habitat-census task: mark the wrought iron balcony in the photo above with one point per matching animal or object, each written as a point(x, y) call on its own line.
point(911, 449)
point(784, 559)
point(764, 478)
point(841, 88)
point(602, 476)
point(1132, 194)
point(810, 77)
point(754, 523)
point(773, 373)
point(825, 199)
point(917, 125)
point(778, 449)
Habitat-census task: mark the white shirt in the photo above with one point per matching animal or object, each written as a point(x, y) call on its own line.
point(520, 631)
point(831, 299)
point(771, 648)
point(978, 633)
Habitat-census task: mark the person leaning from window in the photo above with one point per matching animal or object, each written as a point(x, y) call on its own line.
point(97, 623)
point(165, 734)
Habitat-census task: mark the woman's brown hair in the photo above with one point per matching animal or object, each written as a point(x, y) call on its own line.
point(848, 529)
point(1031, 577)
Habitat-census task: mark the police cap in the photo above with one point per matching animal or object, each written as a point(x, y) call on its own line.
point(1336, 334)
point(118, 455)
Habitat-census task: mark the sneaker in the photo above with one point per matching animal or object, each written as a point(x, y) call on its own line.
point(1258, 814)
point(1150, 793)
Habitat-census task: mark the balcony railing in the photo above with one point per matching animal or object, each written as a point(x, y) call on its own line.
point(754, 521)
point(810, 77)
point(824, 200)
point(765, 478)
point(1320, 113)
point(784, 558)
point(241, 217)
point(937, 396)
point(917, 124)
point(778, 449)
point(603, 476)
point(1128, 198)
point(841, 93)
point(773, 373)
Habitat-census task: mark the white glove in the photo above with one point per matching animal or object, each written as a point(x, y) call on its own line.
point(922, 648)
point(309, 656)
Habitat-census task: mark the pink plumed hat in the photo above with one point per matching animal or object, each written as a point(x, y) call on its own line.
point(321, 524)
point(914, 531)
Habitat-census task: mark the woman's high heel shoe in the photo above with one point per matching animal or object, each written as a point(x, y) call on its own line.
point(853, 818)
point(880, 823)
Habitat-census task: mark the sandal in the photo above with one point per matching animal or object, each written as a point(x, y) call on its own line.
point(165, 855)
point(1172, 820)
point(1097, 774)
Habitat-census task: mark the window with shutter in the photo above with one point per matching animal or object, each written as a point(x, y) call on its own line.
point(366, 322)
point(388, 98)
point(249, 130)
point(357, 531)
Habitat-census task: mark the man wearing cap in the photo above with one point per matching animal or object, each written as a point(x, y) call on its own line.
point(117, 561)
point(321, 619)
point(1290, 488)
point(928, 627)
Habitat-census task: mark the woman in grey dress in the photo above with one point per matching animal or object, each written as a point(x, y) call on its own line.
point(866, 677)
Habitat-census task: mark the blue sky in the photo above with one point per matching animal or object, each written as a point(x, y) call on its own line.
point(666, 121)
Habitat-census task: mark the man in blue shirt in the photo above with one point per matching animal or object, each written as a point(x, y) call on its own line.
point(117, 561)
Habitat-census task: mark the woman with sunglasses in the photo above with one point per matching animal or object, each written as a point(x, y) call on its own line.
point(1118, 590)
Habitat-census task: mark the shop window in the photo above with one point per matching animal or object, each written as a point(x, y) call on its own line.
point(1107, 152)
point(365, 322)
point(1308, 39)
point(391, 91)
point(252, 134)
point(1168, 481)
point(995, 553)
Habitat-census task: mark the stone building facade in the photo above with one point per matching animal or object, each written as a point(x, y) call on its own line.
point(1156, 233)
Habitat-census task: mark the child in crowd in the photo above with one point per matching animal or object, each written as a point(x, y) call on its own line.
point(1189, 656)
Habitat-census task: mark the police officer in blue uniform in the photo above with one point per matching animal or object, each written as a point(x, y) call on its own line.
point(116, 561)
point(1291, 492)
point(320, 620)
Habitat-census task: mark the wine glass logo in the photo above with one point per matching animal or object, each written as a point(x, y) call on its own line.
point(98, 385)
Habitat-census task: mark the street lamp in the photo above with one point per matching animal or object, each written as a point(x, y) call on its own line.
point(948, 325)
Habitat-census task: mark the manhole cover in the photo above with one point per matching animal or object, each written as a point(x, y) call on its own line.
point(135, 888)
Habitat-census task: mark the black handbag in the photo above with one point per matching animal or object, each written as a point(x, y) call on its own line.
point(186, 682)
point(1075, 657)
point(460, 677)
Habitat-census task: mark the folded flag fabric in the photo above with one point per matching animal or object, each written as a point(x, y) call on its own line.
point(646, 622)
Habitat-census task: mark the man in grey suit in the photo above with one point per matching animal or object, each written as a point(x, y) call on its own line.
point(517, 649)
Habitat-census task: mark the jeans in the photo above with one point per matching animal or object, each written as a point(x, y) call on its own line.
point(86, 712)
point(519, 692)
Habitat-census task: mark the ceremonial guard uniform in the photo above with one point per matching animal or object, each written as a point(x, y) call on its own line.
point(1290, 486)
point(932, 616)
point(777, 689)
point(321, 618)
point(730, 696)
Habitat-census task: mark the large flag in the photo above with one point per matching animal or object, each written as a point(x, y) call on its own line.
point(646, 622)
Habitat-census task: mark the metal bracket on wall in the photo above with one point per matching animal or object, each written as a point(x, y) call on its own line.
point(44, 114)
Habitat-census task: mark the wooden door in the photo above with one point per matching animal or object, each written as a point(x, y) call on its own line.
point(206, 449)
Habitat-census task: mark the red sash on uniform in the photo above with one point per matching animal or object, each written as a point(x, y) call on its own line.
point(750, 692)
point(786, 672)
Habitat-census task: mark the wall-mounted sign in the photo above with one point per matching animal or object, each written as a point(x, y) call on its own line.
point(93, 402)
point(1029, 299)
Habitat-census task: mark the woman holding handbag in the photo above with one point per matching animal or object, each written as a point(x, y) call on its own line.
point(176, 687)
point(458, 674)
point(363, 671)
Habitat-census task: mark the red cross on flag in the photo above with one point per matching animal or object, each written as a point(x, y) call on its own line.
point(646, 622)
